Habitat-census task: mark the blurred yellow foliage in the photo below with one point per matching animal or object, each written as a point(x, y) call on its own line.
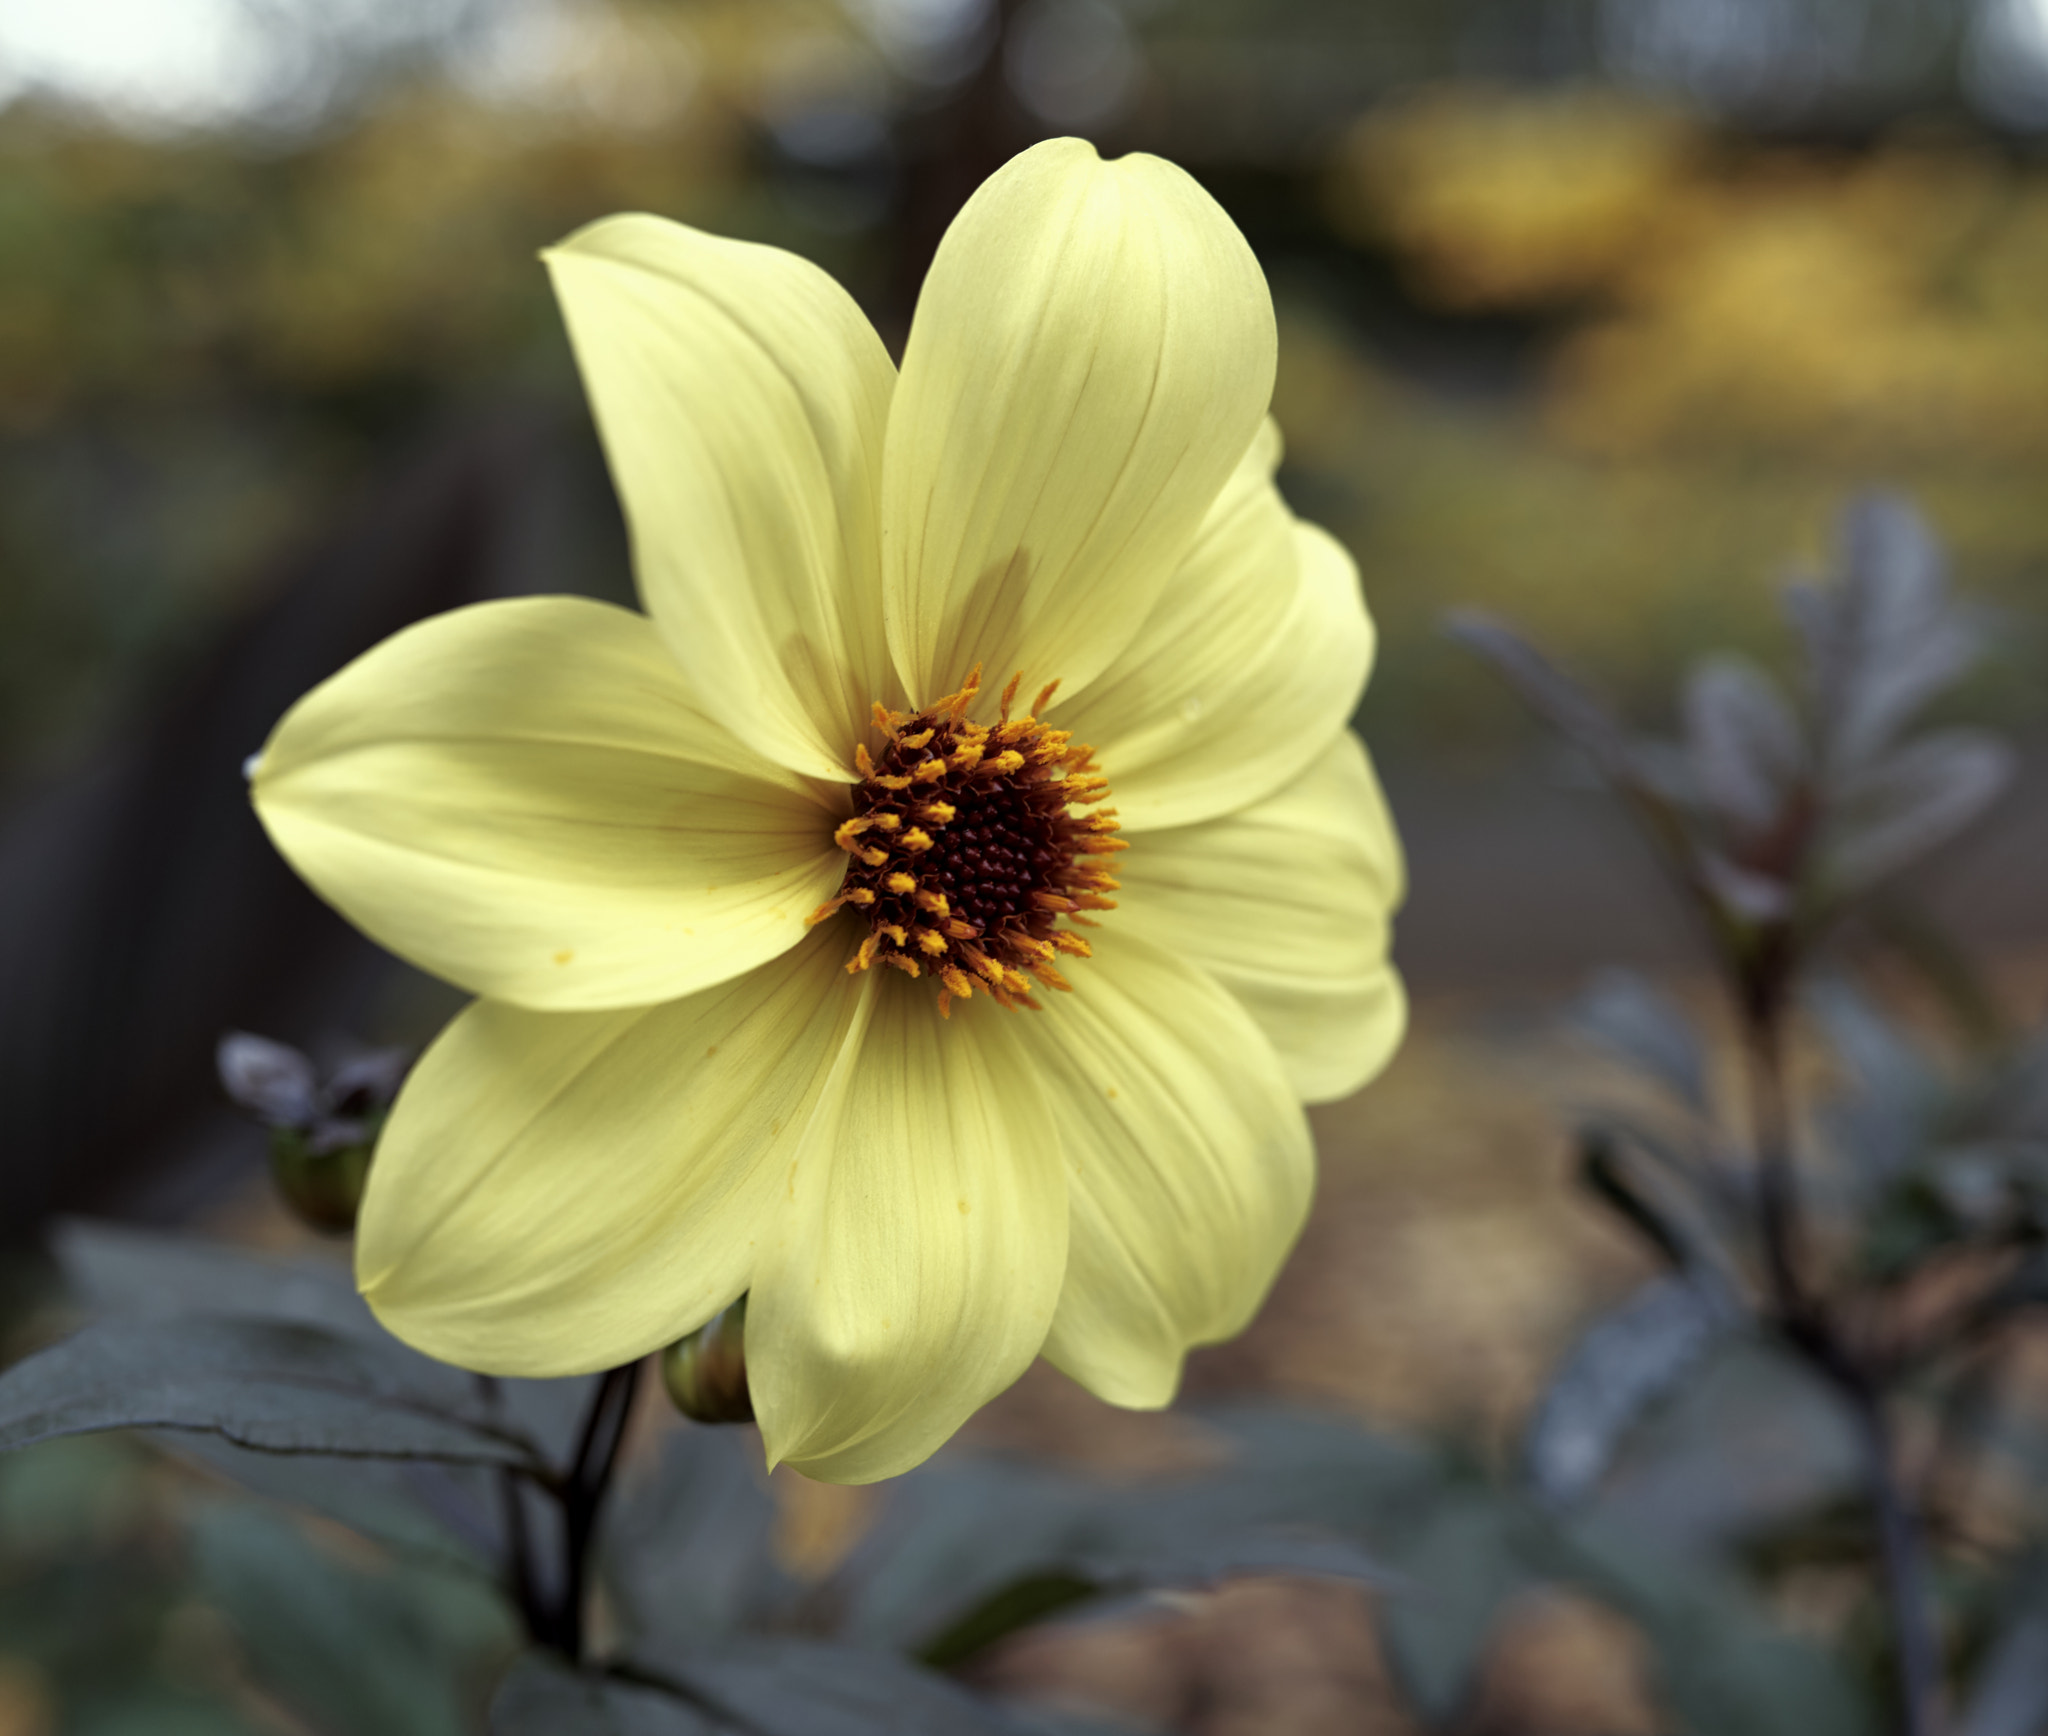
point(1719, 338)
point(1873, 306)
point(1495, 200)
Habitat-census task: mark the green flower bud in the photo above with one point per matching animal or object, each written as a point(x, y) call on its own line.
point(706, 1373)
point(323, 1130)
point(323, 1187)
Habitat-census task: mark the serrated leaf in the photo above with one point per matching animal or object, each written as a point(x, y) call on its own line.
point(274, 1386)
point(1913, 802)
point(1746, 752)
point(1630, 1357)
point(119, 1269)
point(354, 1652)
point(1625, 1015)
point(687, 1549)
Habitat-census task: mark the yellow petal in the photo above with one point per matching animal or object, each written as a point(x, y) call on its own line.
point(1287, 905)
point(1190, 1165)
point(741, 397)
point(521, 797)
point(1090, 356)
point(560, 1192)
point(921, 1237)
point(1241, 674)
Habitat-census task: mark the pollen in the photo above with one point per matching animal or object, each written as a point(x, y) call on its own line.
point(970, 843)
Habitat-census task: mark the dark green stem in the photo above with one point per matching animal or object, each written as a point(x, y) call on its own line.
point(1808, 1327)
point(581, 1494)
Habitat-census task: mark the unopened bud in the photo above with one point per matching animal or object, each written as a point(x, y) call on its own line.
point(323, 1132)
point(706, 1373)
point(324, 1188)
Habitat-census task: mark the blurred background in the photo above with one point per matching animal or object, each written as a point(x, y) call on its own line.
point(1591, 312)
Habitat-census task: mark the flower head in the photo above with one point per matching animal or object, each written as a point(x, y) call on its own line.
point(813, 966)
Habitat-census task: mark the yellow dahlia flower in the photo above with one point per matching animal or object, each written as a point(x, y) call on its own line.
point(812, 962)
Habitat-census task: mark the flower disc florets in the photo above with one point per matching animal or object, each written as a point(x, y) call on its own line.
point(969, 844)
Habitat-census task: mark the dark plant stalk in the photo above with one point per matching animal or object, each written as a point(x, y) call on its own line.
point(1780, 1216)
point(590, 1474)
point(1808, 1328)
point(519, 1554)
point(1905, 1569)
point(581, 1494)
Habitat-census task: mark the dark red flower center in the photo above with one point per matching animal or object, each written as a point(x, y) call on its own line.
point(971, 843)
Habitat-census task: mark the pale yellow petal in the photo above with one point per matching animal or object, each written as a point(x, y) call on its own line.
point(522, 797)
point(1091, 355)
point(561, 1192)
point(742, 397)
point(921, 1236)
point(1250, 662)
point(1190, 1166)
point(1287, 904)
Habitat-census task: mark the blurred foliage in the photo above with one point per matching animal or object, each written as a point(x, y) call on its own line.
point(1715, 335)
point(1578, 354)
point(207, 337)
point(1585, 356)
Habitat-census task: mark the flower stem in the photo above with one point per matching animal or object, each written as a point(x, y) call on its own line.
point(1808, 1327)
point(581, 1494)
